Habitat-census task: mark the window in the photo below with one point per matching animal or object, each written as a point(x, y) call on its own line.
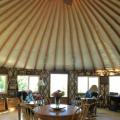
point(59, 82)
point(93, 81)
point(114, 82)
point(3, 83)
point(82, 84)
point(85, 82)
point(28, 82)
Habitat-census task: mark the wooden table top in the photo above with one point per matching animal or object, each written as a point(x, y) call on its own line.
point(51, 113)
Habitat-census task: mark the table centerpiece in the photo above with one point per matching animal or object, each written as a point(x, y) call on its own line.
point(57, 95)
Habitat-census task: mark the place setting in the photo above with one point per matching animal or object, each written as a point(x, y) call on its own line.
point(56, 108)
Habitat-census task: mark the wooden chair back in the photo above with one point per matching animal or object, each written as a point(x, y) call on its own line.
point(82, 112)
point(47, 100)
point(77, 114)
point(28, 113)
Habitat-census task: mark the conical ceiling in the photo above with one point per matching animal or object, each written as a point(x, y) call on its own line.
point(60, 34)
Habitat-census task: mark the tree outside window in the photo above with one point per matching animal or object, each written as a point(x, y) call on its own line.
point(28, 82)
point(3, 83)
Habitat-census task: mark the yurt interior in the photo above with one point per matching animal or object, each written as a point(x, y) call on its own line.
point(59, 59)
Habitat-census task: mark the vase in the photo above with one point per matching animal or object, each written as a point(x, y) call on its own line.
point(57, 102)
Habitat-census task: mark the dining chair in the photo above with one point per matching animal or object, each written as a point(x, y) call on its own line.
point(47, 100)
point(28, 113)
point(81, 113)
point(92, 111)
point(77, 102)
point(77, 114)
point(90, 115)
point(93, 107)
point(85, 112)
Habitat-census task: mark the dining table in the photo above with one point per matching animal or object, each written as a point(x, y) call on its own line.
point(51, 112)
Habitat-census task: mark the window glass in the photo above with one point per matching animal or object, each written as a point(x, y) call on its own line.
point(22, 83)
point(59, 82)
point(3, 83)
point(85, 82)
point(33, 83)
point(28, 82)
point(114, 84)
point(93, 81)
point(82, 84)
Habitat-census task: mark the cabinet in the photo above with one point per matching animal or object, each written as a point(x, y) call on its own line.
point(113, 102)
point(2, 104)
point(12, 102)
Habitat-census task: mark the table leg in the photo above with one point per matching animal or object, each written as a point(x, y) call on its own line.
point(19, 112)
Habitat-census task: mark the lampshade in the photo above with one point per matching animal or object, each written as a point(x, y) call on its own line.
point(41, 83)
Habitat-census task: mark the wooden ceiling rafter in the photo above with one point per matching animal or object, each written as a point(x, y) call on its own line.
point(76, 32)
point(115, 3)
point(38, 32)
point(109, 11)
point(51, 25)
point(14, 45)
point(8, 39)
point(4, 3)
point(111, 25)
point(88, 39)
point(32, 30)
point(79, 38)
point(68, 9)
point(84, 40)
point(25, 42)
point(57, 35)
point(100, 37)
point(12, 4)
point(41, 42)
point(16, 11)
point(110, 38)
point(64, 38)
point(92, 34)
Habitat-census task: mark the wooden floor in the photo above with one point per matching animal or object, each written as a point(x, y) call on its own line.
point(102, 114)
point(105, 114)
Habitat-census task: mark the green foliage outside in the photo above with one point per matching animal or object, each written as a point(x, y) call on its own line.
point(21, 85)
point(2, 83)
